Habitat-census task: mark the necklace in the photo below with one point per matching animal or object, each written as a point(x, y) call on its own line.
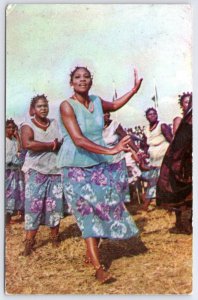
point(40, 124)
point(90, 105)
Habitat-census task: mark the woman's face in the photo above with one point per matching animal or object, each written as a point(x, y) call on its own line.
point(185, 103)
point(152, 116)
point(81, 81)
point(41, 108)
point(10, 128)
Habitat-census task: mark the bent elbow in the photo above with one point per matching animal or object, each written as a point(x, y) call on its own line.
point(79, 142)
point(27, 146)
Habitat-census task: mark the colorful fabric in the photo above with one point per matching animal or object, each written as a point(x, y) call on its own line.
point(96, 196)
point(43, 200)
point(91, 125)
point(151, 177)
point(15, 190)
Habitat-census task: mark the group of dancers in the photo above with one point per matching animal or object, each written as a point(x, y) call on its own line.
point(76, 161)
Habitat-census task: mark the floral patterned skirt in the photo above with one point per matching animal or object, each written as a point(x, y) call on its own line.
point(151, 177)
point(95, 196)
point(43, 200)
point(15, 190)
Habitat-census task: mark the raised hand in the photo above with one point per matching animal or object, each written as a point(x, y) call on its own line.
point(137, 81)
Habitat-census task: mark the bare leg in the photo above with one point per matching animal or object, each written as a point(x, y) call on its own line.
point(146, 202)
point(29, 242)
point(178, 215)
point(93, 252)
point(87, 256)
point(30, 234)
point(21, 216)
point(7, 218)
point(54, 230)
point(55, 236)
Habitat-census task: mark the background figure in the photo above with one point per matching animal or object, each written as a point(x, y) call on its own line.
point(158, 137)
point(43, 190)
point(14, 176)
point(184, 104)
point(113, 132)
point(134, 172)
point(90, 182)
point(174, 188)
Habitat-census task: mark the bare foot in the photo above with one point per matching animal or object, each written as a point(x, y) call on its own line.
point(103, 276)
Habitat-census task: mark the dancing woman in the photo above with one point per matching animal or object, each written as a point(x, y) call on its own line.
point(88, 176)
point(43, 190)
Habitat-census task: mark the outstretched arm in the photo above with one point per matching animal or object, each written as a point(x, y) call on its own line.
point(70, 123)
point(113, 106)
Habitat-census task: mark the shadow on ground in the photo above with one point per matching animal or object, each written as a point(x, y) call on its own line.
point(112, 250)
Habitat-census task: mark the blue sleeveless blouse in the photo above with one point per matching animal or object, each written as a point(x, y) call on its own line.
point(91, 125)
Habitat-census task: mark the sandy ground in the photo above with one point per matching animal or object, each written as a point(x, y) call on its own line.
point(157, 262)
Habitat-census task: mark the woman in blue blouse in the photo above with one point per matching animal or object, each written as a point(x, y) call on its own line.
point(90, 186)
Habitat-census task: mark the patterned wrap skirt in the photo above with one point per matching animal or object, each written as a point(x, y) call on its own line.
point(15, 190)
point(151, 177)
point(43, 200)
point(96, 196)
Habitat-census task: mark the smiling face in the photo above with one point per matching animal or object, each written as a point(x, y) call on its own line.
point(41, 108)
point(81, 80)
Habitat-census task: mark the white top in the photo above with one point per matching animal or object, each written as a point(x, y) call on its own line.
point(43, 162)
point(157, 145)
point(11, 151)
point(130, 162)
point(111, 138)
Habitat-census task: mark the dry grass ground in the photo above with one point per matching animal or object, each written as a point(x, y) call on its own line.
point(155, 263)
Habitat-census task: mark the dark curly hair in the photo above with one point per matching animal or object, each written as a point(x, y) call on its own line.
point(34, 101)
point(183, 96)
point(76, 69)
point(10, 121)
point(149, 109)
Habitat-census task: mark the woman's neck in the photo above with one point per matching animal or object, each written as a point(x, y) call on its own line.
point(153, 125)
point(82, 98)
point(42, 121)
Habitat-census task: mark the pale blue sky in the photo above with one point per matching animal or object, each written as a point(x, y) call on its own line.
point(45, 42)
